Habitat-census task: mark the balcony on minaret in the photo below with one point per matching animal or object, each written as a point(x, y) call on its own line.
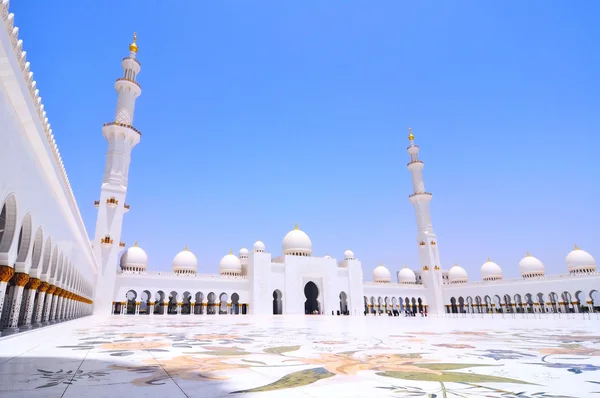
point(112, 202)
point(96, 203)
point(106, 241)
point(121, 244)
point(419, 193)
point(414, 162)
point(126, 207)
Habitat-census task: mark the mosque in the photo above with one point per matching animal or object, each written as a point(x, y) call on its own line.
point(51, 271)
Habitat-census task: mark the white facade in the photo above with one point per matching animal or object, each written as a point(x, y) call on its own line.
point(50, 270)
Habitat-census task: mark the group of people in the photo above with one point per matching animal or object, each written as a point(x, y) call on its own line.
point(397, 313)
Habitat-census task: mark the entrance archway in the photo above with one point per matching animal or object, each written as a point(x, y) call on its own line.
point(343, 303)
point(311, 292)
point(277, 303)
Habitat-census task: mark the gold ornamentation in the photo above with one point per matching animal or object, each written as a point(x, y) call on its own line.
point(133, 46)
point(422, 243)
point(437, 268)
point(410, 134)
point(135, 244)
point(186, 249)
point(122, 125)
point(296, 227)
point(51, 289)
point(112, 201)
point(21, 278)
point(96, 203)
point(44, 287)
point(179, 303)
point(426, 268)
point(576, 248)
point(433, 243)
point(122, 244)
point(33, 284)
point(230, 251)
point(152, 303)
point(6, 273)
point(126, 206)
point(137, 303)
point(106, 240)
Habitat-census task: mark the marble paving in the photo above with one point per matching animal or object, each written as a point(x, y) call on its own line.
point(305, 356)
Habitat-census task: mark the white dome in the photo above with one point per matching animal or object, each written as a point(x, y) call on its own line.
point(348, 255)
point(297, 243)
point(490, 271)
point(381, 274)
point(580, 261)
point(407, 275)
point(230, 265)
point(244, 252)
point(185, 262)
point(259, 246)
point(531, 267)
point(134, 259)
point(458, 274)
point(327, 256)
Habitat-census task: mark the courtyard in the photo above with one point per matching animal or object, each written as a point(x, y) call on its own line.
point(306, 356)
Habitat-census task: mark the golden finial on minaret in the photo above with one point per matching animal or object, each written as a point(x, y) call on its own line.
point(133, 46)
point(410, 134)
point(186, 249)
point(230, 251)
point(135, 244)
point(528, 255)
point(576, 248)
point(489, 259)
point(404, 265)
point(296, 227)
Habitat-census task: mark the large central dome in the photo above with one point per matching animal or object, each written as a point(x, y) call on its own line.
point(297, 243)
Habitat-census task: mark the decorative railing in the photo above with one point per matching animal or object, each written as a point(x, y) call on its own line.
point(123, 125)
point(174, 274)
point(132, 59)
point(420, 193)
point(414, 161)
point(126, 206)
point(129, 80)
point(122, 244)
point(106, 240)
point(530, 279)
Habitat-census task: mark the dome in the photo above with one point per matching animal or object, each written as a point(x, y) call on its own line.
point(530, 267)
point(185, 262)
point(134, 259)
point(297, 243)
point(490, 271)
point(580, 261)
point(349, 255)
point(327, 256)
point(230, 265)
point(244, 252)
point(381, 274)
point(259, 246)
point(407, 275)
point(457, 274)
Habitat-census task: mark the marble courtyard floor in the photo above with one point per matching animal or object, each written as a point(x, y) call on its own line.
point(305, 356)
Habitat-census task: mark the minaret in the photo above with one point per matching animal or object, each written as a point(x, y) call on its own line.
point(121, 137)
point(426, 239)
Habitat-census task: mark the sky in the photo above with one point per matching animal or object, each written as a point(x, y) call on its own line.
point(259, 115)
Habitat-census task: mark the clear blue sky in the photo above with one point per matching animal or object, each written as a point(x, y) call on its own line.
point(259, 115)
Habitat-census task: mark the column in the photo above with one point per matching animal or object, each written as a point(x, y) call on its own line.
point(59, 301)
point(48, 304)
point(37, 320)
point(21, 280)
point(178, 308)
point(52, 316)
point(137, 307)
point(6, 273)
point(31, 287)
point(151, 308)
point(205, 307)
point(123, 308)
point(192, 307)
point(165, 307)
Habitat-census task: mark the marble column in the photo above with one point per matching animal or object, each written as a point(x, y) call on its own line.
point(137, 307)
point(6, 273)
point(192, 307)
point(151, 308)
point(21, 280)
point(48, 304)
point(52, 316)
point(31, 289)
point(165, 307)
point(178, 308)
point(39, 310)
point(59, 304)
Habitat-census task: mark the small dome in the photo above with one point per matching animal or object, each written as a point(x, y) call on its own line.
point(297, 243)
point(490, 271)
point(349, 255)
point(134, 259)
point(381, 274)
point(185, 262)
point(457, 274)
point(259, 246)
point(244, 252)
point(531, 267)
point(580, 261)
point(327, 256)
point(230, 265)
point(407, 275)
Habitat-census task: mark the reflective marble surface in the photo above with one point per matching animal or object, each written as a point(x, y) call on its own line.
point(305, 356)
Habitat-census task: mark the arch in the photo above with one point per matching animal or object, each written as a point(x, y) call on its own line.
point(38, 246)
point(199, 308)
point(453, 306)
point(366, 305)
point(401, 305)
point(541, 302)
point(223, 297)
point(580, 299)
point(519, 303)
point(478, 304)
point(554, 302)
point(343, 303)
point(372, 300)
point(277, 303)
point(172, 305)
point(470, 304)
point(414, 305)
point(508, 304)
point(595, 300)
point(186, 303)
point(159, 299)
point(130, 297)
point(145, 300)
point(235, 303)
point(211, 306)
point(567, 301)
point(311, 305)
point(461, 305)
point(488, 303)
point(24, 239)
point(8, 223)
point(47, 256)
point(379, 305)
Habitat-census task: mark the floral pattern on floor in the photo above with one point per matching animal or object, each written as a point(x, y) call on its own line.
point(313, 356)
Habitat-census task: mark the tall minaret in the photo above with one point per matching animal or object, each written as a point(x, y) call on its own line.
point(121, 137)
point(426, 239)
